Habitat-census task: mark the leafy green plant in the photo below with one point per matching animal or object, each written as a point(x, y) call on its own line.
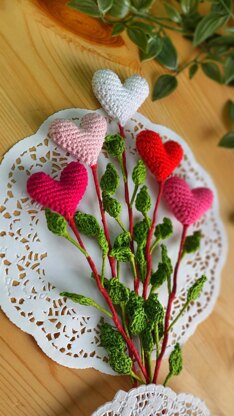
point(211, 36)
point(228, 139)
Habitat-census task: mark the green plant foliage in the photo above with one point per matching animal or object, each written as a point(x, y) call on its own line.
point(196, 289)
point(110, 180)
point(56, 223)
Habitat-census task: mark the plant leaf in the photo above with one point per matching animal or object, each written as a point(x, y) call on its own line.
point(229, 69)
point(212, 71)
point(144, 27)
point(227, 140)
point(104, 5)
point(120, 8)
point(142, 4)
point(168, 55)
point(231, 110)
point(154, 48)
point(207, 26)
point(172, 13)
point(222, 6)
point(227, 40)
point(138, 37)
point(189, 6)
point(85, 6)
point(193, 70)
point(117, 28)
point(164, 86)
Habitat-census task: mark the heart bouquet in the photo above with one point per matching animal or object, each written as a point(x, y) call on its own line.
point(135, 326)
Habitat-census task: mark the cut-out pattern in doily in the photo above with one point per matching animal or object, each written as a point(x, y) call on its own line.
point(36, 265)
point(153, 400)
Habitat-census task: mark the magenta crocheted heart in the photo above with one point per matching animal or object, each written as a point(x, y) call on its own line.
point(83, 142)
point(61, 196)
point(188, 205)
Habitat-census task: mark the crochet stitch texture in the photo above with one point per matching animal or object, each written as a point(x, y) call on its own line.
point(60, 196)
point(161, 158)
point(120, 101)
point(187, 205)
point(83, 142)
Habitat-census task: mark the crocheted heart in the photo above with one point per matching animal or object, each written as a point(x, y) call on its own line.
point(61, 196)
point(119, 100)
point(187, 205)
point(84, 142)
point(161, 158)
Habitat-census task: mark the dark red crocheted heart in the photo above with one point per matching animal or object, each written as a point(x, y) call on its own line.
point(160, 158)
point(61, 196)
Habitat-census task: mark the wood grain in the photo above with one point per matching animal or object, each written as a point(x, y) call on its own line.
point(47, 62)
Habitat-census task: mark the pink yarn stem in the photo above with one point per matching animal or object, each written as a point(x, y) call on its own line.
point(169, 305)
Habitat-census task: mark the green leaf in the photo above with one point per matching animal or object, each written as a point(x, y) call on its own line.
point(196, 289)
point(168, 55)
point(138, 37)
point(139, 173)
point(86, 6)
point(122, 254)
point(192, 243)
point(122, 240)
point(229, 69)
point(87, 224)
point(144, 27)
point(164, 86)
point(172, 13)
point(118, 28)
point(56, 223)
point(143, 200)
point(114, 144)
point(222, 6)
point(153, 309)
point(111, 338)
point(117, 291)
point(227, 140)
point(189, 6)
point(155, 45)
point(120, 8)
point(111, 205)
point(212, 71)
point(164, 230)
point(120, 362)
point(227, 40)
point(104, 5)
point(110, 180)
point(175, 361)
point(193, 70)
point(207, 26)
point(230, 105)
point(142, 4)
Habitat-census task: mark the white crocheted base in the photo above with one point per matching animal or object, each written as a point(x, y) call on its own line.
point(153, 400)
point(36, 265)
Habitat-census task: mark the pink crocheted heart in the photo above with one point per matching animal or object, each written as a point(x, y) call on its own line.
point(188, 205)
point(61, 196)
point(84, 142)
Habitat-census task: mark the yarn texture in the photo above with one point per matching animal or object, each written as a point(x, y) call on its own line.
point(60, 196)
point(187, 205)
point(83, 142)
point(120, 101)
point(161, 158)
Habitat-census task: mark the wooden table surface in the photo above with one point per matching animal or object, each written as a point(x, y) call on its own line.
point(48, 55)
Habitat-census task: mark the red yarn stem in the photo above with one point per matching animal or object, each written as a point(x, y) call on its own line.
point(130, 213)
point(108, 300)
point(169, 305)
point(149, 238)
point(106, 231)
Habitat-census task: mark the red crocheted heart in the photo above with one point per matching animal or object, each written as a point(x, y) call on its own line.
point(188, 205)
point(61, 196)
point(161, 158)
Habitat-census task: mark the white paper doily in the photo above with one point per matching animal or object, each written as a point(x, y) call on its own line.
point(36, 265)
point(153, 400)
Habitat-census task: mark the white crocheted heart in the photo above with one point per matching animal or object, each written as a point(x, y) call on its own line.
point(120, 101)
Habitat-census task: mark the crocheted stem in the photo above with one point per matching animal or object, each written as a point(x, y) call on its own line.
point(108, 300)
point(169, 305)
point(106, 231)
point(149, 238)
point(130, 213)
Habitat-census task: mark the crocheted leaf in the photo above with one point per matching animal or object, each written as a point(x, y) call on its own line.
point(110, 180)
point(56, 223)
point(82, 300)
point(153, 309)
point(114, 144)
point(160, 276)
point(102, 241)
point(123, 240)
point(164, 230)
point(111, 205)
point(192, 243)
point(175, 361)
point(141, 262)
point(117, 291)
point(138, 321)
point(87, 224)
point(143, 200)
point(122, 254)
point(135, 301)
point(196, 289)
point(147, 340)
point(140, 232)
point(139, 173)
point(111, 338)
point(166, 259)
point(120, 362)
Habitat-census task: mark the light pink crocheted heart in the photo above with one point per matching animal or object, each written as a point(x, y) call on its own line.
point(61, 196)
point(188, 205)
point(84, 142)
